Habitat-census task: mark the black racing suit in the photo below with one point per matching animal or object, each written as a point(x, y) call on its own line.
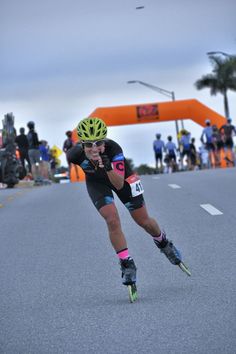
point(98, 184)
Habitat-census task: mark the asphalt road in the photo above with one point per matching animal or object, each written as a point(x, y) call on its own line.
point(60, 285)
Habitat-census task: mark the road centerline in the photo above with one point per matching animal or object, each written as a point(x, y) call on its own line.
point(174, 186)
point(211, 209)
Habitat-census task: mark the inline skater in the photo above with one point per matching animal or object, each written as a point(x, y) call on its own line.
point(207, 139)
point(171, 149)
point(107, 171)
point(228, 130)
point(185, 148)
point(158, 147)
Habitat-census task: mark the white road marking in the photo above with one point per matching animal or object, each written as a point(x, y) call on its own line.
point(156, 177)
point(211, 209)
point(174, 186)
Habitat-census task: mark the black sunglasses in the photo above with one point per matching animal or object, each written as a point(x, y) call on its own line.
point(90, 144)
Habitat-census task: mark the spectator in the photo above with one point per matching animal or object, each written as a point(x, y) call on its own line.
point(228, 130)
point(193, 154)
point(44, 159)
point(34, 153)
point(158, 146)
point(23, 147)
point(217, 143)
point(53, 164)
point(204, 157)
point(68, 143)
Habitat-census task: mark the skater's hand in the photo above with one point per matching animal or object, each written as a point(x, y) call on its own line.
point(105, 163)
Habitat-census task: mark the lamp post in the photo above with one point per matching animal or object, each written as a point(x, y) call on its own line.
point(164, 92)
point(231, 56)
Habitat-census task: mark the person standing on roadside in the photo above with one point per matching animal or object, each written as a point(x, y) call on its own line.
point(217, 143)
point(23, 146)
point(68, 144)
point(193, 154)
point(34, 153)
point(45, 160)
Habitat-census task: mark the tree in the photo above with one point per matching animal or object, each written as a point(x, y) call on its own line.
point(222, 78)
point(144, 169)
point(131, 163)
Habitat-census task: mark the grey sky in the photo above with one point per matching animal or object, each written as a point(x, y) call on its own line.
point(62, 59)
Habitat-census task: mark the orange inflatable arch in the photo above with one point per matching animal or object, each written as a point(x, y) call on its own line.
point(154, 112)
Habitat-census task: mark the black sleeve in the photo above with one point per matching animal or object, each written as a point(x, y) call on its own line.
point(36, 139)
point(113, 150)
point(26, 142)
point(64, 146)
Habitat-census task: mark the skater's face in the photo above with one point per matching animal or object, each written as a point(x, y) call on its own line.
point(93, 149)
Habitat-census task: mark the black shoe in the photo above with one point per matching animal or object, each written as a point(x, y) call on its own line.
point(128, 269)
point(171, 252)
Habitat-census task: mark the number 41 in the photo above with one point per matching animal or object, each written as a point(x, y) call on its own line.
point(139, 187)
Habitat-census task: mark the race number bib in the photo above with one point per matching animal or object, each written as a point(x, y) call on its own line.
point(135, 185)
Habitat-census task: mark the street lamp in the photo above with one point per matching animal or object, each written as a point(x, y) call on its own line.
point(155, 88)
point(167, 93)
point(222, 53)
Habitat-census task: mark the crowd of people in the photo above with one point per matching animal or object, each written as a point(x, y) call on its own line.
point(217, 147)
point(37, 159)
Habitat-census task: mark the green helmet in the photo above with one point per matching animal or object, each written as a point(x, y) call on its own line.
point(91, 129)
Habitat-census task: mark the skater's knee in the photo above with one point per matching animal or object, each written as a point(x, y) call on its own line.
point(149, 225)
point(112, 221)
point(143, 222)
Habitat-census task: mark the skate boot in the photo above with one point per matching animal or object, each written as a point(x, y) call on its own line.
point(172, 253)
point(128, 270)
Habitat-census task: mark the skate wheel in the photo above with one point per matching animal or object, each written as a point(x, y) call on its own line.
point(132, 290)
point(184, 268)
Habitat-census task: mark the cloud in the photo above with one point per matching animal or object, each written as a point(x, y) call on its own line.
point(62, 59)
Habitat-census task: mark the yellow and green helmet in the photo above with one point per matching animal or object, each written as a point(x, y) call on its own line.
point(91, 129)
